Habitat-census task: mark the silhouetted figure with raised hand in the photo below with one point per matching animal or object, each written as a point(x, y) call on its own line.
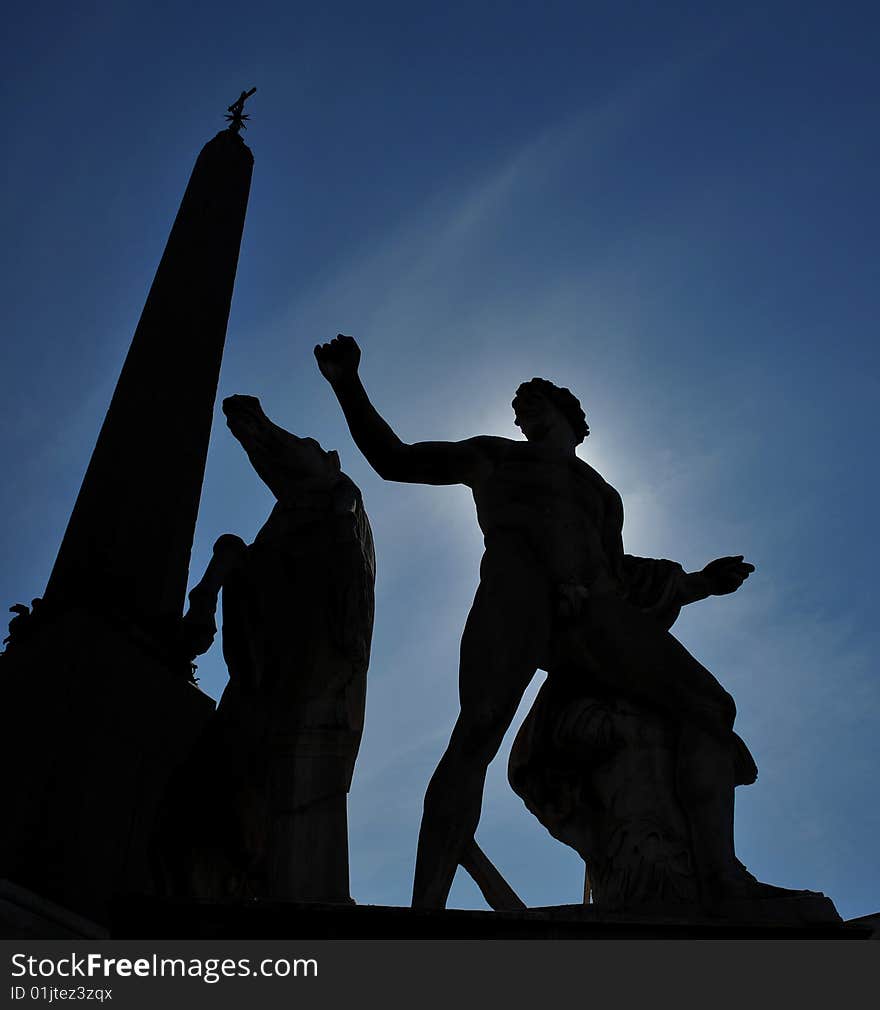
point(553, 558)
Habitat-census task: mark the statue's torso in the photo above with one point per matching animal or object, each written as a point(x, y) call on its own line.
point(557, 505)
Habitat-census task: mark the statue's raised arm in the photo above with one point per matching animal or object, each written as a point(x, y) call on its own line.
point(389, 456)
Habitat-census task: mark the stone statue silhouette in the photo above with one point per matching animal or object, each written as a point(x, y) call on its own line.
point(557, 591)
point(598, 769)
point(269, 815)
point(21, 627)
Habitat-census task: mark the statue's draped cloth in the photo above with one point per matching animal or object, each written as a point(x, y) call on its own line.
point(617, 648)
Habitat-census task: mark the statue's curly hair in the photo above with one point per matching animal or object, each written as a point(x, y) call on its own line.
point(563, 399)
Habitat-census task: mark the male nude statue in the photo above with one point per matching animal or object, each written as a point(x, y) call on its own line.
point(554, 553)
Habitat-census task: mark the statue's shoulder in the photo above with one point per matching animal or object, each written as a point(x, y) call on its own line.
point(583, 468)
point(346, 495)
point(608, 491)
point(493, 446)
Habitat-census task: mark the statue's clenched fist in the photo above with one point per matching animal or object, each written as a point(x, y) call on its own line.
point(339, 359)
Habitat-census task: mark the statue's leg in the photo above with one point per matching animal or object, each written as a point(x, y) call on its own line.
point(503, 644)
point(704, 782)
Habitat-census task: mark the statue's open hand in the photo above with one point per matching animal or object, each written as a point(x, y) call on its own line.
point(339, 359)
point(726, 575)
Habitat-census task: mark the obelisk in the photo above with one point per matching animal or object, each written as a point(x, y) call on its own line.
point(97, 707)
point(128, 541)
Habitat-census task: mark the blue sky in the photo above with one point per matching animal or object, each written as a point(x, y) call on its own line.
point(669, 208)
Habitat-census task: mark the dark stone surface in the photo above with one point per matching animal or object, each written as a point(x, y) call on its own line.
point(26, 916)
point(139, 918)
point(598, 771)
point(870, 922)
point(92, 721)
point(270, 819)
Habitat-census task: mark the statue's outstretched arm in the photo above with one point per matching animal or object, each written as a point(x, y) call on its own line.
point(719, 577)
point(391, 458)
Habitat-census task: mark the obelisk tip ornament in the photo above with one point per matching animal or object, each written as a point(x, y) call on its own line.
point(235, 113)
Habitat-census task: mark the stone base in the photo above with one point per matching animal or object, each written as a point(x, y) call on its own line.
point(804, 909)
point(791, 908)
point(146, 918)
point(797, 908)
point(92, 722)
point(871, 922)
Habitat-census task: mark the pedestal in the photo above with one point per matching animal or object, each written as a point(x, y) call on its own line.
point(93, 718)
